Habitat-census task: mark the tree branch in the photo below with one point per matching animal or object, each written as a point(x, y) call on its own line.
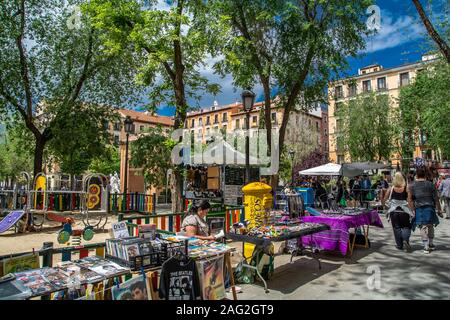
point(23, 63)
point(443, 47)
point(84, 73)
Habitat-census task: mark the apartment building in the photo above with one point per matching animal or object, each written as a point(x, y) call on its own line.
point(305, 129)
point(370, 78)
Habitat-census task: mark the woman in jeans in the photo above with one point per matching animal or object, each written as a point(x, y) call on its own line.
point(424, 199)
point(398, 212)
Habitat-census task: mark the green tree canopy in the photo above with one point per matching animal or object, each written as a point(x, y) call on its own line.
point(367, 127)
point(152, 153)
point(425, 110)
point(51, 62)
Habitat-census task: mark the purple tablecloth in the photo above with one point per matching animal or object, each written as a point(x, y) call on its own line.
point(337, 237)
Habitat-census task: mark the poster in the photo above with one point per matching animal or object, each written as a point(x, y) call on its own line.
point(119, 230)
point(211, 278)
point(133, 289)
point(22, 263)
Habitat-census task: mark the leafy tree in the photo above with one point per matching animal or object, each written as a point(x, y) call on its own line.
point(50, 62)
point(425, 110)
point(79, 136)
point(371, 136)
point(296, 46)
point(175, 45)
point(152, 153)
point(107, 163)
point(16, 151)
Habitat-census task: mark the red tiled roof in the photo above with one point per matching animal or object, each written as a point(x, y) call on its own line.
point(143, 117)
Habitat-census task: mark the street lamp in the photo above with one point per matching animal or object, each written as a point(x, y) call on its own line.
point(292, 155)
point(128, 122)
point(248, 99)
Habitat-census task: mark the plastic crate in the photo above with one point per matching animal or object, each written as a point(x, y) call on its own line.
point(148, 260)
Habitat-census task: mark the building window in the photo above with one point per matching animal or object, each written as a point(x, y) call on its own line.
point(208, 120)
point(317, 125)
point(326, 146)
point(338, 92)
point(141, 128)
point(381, 84)
point(117, 126)
point(200, 122)
point(116, 140)
point(224, 117)
point(326, 132)
point(274, 117)
point(404, 79)
point(367, 87)
point(255, 119)
point(193, 123)
point(238, 124)
point(340, 159)
point(216, 118)
point(352, 90)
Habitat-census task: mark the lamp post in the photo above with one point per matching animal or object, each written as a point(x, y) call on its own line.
point(248, 99)
point(128, 128)
point(292, 155)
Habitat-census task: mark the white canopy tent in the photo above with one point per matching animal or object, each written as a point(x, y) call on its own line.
point(332, 169)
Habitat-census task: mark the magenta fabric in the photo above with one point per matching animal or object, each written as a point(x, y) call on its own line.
point(338, 236)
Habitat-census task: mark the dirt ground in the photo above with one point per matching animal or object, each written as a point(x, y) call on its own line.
point(11, 242)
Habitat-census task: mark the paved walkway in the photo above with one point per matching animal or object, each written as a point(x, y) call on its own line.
point(403, 275)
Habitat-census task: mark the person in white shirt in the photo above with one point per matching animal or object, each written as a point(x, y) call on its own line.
point(444, 191)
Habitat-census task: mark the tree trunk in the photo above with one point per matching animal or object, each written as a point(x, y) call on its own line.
point(443, 47)
point(176, 190)
point(39, 154)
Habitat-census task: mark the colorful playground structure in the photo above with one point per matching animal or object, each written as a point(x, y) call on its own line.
point(50, 197)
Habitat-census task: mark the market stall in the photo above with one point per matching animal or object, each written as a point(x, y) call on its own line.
point(264, 237)
point(188, 269)
point(340, 222)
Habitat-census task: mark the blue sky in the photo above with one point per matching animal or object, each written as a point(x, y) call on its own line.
point(401, 39)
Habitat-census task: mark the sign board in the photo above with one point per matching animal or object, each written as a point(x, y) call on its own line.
point(119, 230)
point(22, 263)
point(233, 195)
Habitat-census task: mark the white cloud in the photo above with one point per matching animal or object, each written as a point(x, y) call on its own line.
point(394, 32)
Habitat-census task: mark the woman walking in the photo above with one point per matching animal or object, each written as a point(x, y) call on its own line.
point(399, 213)
point(423, 198)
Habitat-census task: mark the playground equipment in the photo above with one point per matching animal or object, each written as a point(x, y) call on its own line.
point(14, 197)
point(68, 235)
point(52, 198)
point(95, 201)
point(11, 219)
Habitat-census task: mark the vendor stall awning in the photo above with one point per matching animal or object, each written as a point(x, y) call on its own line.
point(332, 169)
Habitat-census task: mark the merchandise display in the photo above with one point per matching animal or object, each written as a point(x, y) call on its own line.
point(205, 248)
point(179, 279)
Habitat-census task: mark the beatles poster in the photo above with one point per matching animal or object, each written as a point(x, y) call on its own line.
point(211, 278)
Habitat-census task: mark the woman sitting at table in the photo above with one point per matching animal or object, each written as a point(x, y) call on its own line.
point(194, 224)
